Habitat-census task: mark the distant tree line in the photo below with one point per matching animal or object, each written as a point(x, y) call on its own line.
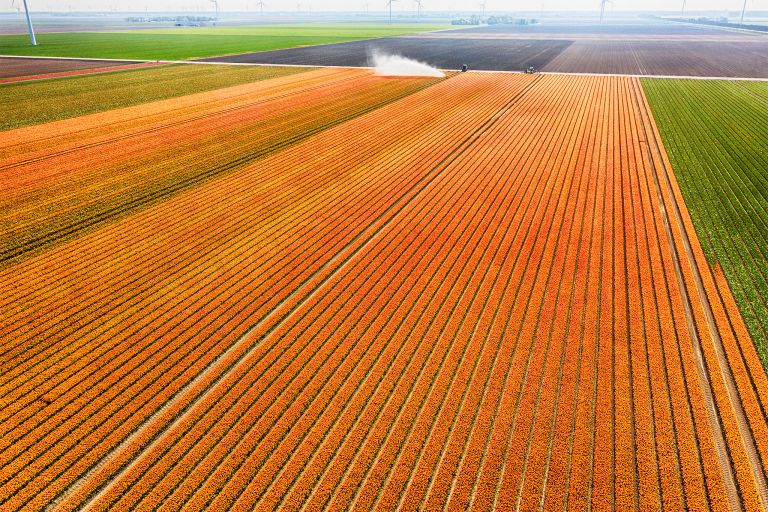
point(183, 20)
point(720, 22)
point(494, 20)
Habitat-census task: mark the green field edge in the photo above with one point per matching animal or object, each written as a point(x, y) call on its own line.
point(198, 43)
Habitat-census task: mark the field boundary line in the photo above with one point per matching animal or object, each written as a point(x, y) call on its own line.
point(734, 397)
point(638, 75)
point(567, 73)
point(377, 224)
point(44, 57)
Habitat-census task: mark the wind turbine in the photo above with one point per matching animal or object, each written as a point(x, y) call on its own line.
point(682, 10)
point(418, 8)
point(482, 6)
point(216, 3)
point(32, 39)
point(602, 9)
point(741, 21)
point(389, 3)
point(260, 3)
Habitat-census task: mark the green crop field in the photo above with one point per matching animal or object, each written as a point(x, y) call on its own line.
point(716, 134)
point(28, 103)
point(191, 43)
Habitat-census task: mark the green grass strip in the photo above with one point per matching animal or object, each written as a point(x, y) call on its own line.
point(192, 43)
point(716, 135)
point(41, 101)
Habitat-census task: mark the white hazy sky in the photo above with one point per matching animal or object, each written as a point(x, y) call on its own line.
point(359, 5)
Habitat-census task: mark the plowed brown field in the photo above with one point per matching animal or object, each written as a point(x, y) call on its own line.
point(24, 67)
point(485, 295)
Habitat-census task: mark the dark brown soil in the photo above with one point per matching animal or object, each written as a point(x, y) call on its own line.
point(504, 55)
point(19, 66)
point(681, 58)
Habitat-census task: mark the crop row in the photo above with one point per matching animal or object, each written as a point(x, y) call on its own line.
point(316, 362)
point(352, 273)
point(497, 305)
point(24, 144)
point(20, 358)
point(51, 274)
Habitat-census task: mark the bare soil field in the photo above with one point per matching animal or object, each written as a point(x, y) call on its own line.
point(679, 58)
point(14, 66)
point(612, 48)
point(509, 55)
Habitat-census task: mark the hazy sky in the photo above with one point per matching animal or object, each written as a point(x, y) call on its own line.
point(359, 5)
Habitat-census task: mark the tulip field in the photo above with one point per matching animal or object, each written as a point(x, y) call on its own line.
point(334, 290)
point(28, 101)
point(127, 159)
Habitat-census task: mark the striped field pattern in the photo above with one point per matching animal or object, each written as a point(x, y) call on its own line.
point(486, 293)
point(61, 185)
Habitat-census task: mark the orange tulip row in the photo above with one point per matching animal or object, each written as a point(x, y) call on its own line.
point(227, 219)
point(423, 449)
point(24, 361)
point(659, 481)
point(322, 438)
point(23, 145)
point(50, 196)
point(546, 457)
